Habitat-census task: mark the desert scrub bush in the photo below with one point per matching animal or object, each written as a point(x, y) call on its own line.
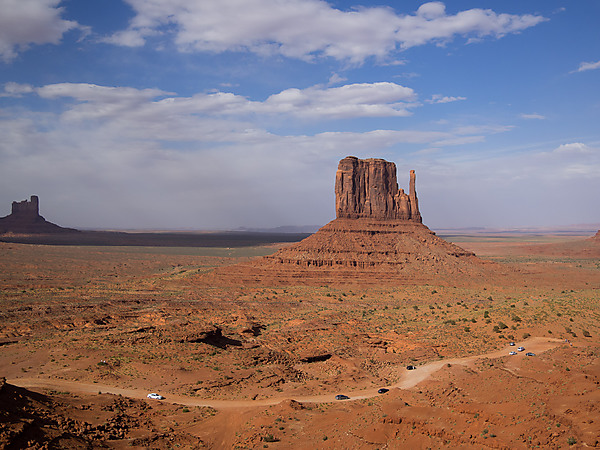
point(516, 318)
point(502, 325)
point(486, 314)
point(526, 335)
point(586, 333)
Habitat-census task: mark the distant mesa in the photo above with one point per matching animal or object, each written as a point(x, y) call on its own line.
point(25, 219)
point(377, 235)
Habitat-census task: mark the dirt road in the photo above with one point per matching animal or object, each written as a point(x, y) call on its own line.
point(408, 380)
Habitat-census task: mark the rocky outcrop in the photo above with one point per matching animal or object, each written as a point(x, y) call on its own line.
point(25, 219)
point(377, 237)
point(367, 188)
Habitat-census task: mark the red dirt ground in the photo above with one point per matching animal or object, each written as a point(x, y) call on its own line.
point(138, 320)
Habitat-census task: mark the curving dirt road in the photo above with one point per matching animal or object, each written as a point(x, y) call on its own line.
point(408, 380)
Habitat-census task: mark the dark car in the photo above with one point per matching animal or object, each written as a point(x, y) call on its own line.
point(411, 367)
point(382, 390)
point(341, 397)
point(529, 354)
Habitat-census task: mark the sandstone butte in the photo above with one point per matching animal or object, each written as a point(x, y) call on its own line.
point(25, 219)
point(377, 236)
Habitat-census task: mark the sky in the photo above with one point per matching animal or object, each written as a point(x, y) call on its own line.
point(178, 114)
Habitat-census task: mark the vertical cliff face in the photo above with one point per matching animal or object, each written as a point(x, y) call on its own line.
point(367, 188)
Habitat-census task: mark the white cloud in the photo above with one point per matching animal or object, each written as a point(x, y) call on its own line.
point(135, 153)
point(308, 28)
point(349, 101)
point(437, 98)
point(12, 89)
point(533, 116)
point(26, 22)
point(353, 100)
point(588, 66)
point(574, 148)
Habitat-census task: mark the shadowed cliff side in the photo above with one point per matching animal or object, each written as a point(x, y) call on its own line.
point(25, 219)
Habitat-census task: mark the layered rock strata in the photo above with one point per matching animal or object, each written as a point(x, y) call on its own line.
point(25, 219)
point(378, 236)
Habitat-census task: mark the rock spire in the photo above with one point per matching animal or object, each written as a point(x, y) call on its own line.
point(367, 188)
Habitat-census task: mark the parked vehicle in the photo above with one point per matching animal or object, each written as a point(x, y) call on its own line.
point(529, 354)
point(341, 397)
point(521, 349)
point(382, 391)
point(512, 353)
point(155, 396)
point(411, 367)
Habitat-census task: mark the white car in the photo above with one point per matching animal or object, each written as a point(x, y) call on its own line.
point(512, 353)
point(521, 349)
point(155, 396)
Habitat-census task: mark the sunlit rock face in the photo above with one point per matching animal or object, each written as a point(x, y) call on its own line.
point(367, 188)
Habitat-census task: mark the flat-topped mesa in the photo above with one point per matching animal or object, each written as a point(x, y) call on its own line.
point(367, 188)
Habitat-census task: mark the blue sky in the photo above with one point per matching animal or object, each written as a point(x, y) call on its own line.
point(220, 114)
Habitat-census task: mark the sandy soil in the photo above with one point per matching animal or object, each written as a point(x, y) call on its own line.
point(89, 331)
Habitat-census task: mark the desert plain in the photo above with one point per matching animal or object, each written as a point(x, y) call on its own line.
point(86, 332)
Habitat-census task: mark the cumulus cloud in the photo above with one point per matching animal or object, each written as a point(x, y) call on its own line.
point(352, 100)
point(306, 29)
point(27, 22)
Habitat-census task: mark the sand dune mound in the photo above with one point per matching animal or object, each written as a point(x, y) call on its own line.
point(377, 236)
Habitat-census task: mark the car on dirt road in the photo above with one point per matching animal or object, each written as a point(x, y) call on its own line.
point(521, 349)
point(155, 396)
point(411, 367)
point(512, 353)
point(382, 390)
point(341, 397)
point(529, 354)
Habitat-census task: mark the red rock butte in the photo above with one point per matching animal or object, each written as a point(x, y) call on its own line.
point(25, 219)
point(378, 236)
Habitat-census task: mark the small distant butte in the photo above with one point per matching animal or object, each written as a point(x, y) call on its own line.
point(25, 219)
